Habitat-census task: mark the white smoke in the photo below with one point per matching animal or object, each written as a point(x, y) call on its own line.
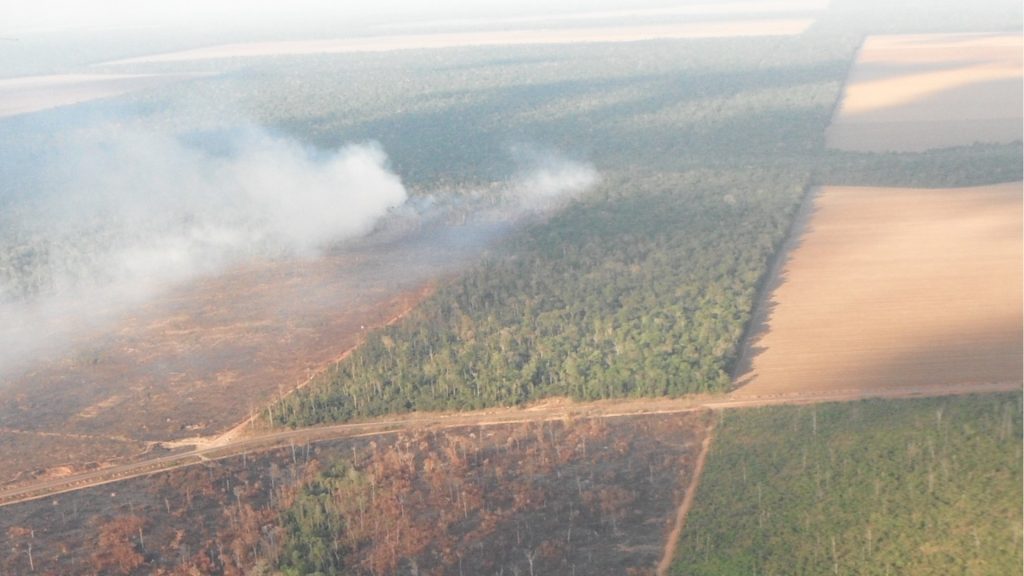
point(130, 215)
point(551, 186)
point(117, 217)
point(547, 180)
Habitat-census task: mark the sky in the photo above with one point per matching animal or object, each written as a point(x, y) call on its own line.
point(40, 37)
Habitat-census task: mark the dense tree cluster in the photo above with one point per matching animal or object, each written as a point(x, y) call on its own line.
point(973, 165)
point(643, 287)
point(638, 292)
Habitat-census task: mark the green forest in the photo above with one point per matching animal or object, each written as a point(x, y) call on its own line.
point(642, 287)
point(645, 296)
point(930, 486)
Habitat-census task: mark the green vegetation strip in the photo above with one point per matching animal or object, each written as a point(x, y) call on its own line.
point(927, 486)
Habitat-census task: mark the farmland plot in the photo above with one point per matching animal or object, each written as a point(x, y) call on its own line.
point(892, 288)
point(913, 93)
point(35, 93)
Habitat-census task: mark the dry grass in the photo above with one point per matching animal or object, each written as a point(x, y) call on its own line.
point(911, 93)
point(896, 287)
point(682, 30)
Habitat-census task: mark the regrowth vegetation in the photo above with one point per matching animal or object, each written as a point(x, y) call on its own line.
point(878, 487)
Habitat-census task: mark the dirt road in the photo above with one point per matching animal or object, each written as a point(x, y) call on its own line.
point(684, 507)
point(551, 410)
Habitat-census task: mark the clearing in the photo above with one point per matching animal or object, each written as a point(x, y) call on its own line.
point(890, 287)
point(683, 30)
point(583, 496)
point(35, 93)
point(913, 93)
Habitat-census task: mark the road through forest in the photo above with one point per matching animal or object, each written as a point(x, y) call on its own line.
point(549, 410)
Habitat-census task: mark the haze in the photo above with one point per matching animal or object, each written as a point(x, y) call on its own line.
point(545, 287)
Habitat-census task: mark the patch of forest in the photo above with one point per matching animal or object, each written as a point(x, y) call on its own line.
point(583, 496)
point(630, 293)
point(928, 486)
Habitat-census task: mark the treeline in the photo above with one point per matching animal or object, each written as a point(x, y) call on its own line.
point(973, 165)
point(642, 290)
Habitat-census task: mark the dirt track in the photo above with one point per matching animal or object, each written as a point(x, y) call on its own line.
point(684, 507)
point(553, 410)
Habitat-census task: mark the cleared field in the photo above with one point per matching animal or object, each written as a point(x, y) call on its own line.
point(890, 287)
point(705, 10)
point(35, 93)
point(710, 29)
point(912, 93)
point(584, 496)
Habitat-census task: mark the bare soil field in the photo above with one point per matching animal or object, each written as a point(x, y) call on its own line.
point(583, 496)
point(913, 93)
point(889, 288)
point(35, 93)
point(37, 456)
point(710, 29)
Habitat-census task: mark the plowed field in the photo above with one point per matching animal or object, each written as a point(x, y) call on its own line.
point(889, 287)
point(912, 93)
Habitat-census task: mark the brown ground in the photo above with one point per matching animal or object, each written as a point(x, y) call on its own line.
point(194, 362)
point(912, 93)
point(578, 496)
point(34, 93)
point(890, 288)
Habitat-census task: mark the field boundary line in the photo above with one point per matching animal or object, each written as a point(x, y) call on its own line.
point(684, 507)
point(760, 312)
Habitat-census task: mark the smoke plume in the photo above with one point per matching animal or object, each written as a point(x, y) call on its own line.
point(117, 218)
point(112, 218)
